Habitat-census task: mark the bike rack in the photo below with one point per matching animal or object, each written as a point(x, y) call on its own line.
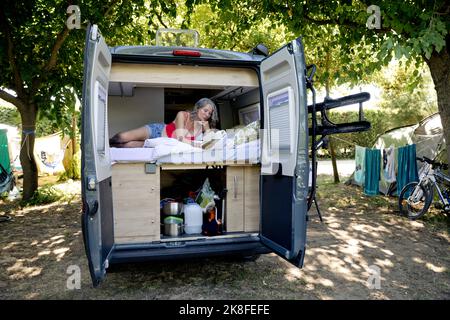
point(327, 127)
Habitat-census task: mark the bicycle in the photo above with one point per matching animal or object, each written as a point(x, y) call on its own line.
point(416, 197)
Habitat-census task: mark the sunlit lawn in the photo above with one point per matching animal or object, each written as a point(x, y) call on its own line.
point(41, 243)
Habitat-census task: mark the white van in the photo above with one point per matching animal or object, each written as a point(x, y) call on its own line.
point(262, 199)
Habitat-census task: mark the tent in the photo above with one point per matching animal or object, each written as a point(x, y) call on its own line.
point(6, 174)
point(13, 141)
point(427, 135)
point(5, 161)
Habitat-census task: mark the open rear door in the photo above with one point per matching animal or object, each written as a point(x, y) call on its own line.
point(285, 162)
point(97, 217)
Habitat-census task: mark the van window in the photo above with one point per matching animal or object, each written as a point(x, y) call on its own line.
point(101, 125)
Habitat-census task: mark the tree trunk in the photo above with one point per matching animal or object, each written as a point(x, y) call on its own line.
point(30, 172)
point(333, 160)
point(75, 146)
point(439, 64)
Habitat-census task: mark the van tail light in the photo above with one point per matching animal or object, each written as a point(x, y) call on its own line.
point(186, 53)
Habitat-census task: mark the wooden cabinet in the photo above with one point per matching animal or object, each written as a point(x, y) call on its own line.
point(136, 198)
point(251, 198)
point(242, 204)
point(136, 203)
point(234, 215)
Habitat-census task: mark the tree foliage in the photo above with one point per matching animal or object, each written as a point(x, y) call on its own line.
point(409, 28)
point(417, 30)
point(42, 60)
point(234, 25)
point(404, 99)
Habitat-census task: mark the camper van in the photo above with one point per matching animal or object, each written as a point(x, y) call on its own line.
point(261, 185)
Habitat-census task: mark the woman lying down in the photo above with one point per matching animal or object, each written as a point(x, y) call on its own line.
point(189, 127)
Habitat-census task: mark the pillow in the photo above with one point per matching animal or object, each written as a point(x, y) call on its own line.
point(246, 134)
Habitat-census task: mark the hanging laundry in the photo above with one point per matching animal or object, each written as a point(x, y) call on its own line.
point(389, 164)
point(384, 174)
point(360, 154)
point(387, 175)
point(372, 171)
point(407, 166)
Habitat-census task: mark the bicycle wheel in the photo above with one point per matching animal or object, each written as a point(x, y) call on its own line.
point(414, 200)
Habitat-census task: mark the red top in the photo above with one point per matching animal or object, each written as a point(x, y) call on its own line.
point(170, 128)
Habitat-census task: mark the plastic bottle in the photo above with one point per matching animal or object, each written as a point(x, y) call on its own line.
point(193, 218)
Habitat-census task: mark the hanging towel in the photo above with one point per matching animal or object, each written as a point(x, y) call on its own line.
point(372, 172)
point(360, 154)
point(407, 166)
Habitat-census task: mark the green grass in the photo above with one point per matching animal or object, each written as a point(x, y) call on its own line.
point(44, 195)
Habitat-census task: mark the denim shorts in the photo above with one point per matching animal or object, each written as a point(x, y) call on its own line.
point(155, 129)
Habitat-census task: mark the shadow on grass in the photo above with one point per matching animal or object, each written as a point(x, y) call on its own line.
point(39, 245)
point(362, 233)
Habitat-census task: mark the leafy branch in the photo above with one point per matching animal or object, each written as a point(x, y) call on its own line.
point(18, 84)
point(11, 99)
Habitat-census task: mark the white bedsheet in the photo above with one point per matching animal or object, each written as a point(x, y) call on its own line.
point(244, 153)
point(132, 154)
point(167, 150)
point(164, 146)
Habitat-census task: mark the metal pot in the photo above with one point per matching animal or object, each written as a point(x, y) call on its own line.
point(172, 208)
point(173, 226)
point(173, 229)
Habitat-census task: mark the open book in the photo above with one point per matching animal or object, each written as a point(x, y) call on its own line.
point(210, 138)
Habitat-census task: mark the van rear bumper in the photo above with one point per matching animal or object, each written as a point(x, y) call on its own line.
point(125, 255)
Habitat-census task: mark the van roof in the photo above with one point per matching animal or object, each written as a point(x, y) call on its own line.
point(161, 51)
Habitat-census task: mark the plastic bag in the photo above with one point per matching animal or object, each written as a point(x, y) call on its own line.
point(206, 195)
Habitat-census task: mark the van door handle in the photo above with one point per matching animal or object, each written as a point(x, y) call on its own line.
point(92, 208)
point(235, 187)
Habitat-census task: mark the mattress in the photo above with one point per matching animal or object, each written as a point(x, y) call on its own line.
point(248, 153)
point(132, 155)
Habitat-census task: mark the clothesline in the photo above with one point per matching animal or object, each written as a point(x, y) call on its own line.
point(343, 140)
point(350, 142)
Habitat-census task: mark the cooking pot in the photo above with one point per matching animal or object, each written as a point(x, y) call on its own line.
point(173, 226)
point(172, 208)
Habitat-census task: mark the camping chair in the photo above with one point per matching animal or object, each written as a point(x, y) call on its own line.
point(6, 180)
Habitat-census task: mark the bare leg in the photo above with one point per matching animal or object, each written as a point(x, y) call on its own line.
point(121, 138)
point(132, 144)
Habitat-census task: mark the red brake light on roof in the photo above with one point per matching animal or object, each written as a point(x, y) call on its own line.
point(186, 53)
